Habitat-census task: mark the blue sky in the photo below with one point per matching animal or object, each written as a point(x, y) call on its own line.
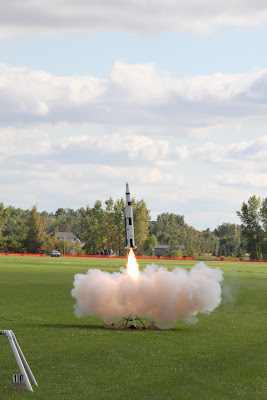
point(227, 50)
point(170, 96)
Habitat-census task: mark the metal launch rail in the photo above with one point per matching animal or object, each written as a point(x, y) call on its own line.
point(21, 360)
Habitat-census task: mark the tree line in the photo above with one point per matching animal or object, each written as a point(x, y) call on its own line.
point(99, 227)
point(102, 226)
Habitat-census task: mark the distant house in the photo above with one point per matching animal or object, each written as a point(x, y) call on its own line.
point(71, 237)
point(161, 249)
point(67, 235)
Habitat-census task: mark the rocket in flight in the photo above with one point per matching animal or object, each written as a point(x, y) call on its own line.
point(129, 228)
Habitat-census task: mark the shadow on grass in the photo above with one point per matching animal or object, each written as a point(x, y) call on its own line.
point(69, 326)
point(101, 327)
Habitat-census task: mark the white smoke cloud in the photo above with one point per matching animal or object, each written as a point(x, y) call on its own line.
point(161, 295)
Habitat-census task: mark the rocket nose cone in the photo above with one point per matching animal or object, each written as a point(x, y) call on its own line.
point(127, 188)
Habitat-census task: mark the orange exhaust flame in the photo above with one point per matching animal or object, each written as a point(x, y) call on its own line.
point(132, 266)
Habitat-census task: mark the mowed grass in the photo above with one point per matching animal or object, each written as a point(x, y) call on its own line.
point(221, 357)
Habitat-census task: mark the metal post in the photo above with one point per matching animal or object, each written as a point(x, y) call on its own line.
point(26, 365)
point(21, 360)
point(119, 321)
point(141, 321)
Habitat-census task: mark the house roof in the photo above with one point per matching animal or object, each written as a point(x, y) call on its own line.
point(67, 235)
point(165, 246)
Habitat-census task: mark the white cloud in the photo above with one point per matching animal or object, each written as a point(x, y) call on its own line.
point(155, 175)
point(114, 149)
point(15, 142)
point(250, 151)
point(141, 83)
point(145, 16)
point(181, 152)
point(37, 95)
point(136, 148)
point(253, 180)
point(136, 96)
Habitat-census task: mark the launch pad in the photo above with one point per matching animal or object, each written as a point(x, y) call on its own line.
point(130, 323)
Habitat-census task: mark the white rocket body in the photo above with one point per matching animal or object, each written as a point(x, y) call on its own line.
point(129, 228)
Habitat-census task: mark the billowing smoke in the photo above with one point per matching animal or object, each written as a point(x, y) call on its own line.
point(158, 294)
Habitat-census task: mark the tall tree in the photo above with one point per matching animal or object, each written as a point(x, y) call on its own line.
point(4, 214)
point(119, 226)
point(16, 229)
point(263, 216)
point(252, 229)
point(149, 244)
point(65, 246)
point(141, 223)
point(169, 228)
point(109, 224)
point(35, 239)
point(93, 228)
point(230, 241)
point(173, 251)
point(64, 220)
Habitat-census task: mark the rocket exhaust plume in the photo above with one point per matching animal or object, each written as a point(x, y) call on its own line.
point(132, 266)
point(155, 293)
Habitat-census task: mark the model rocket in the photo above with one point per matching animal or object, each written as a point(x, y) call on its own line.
point(129, 228)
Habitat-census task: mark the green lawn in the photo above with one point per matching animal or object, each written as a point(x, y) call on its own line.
point(220, 357)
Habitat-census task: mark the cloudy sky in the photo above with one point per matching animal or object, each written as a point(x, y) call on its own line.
point(168, 95)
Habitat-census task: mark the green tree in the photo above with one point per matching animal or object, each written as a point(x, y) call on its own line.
point(191, 242)
point(35, 239)
point(4, 214)
point(149, 244)
point(109, 224)
point(65, 246)
point(173, 251)
point(252, 229)
point(141, 224)
point(92, 228)
point(230, 240)
point(15, 230)
point(208, 242)
point(50, 244)
point(50, 223)
point(64, 220)
point(263, 216)
point(119, 227)
point(79, 249)
point(169, 228)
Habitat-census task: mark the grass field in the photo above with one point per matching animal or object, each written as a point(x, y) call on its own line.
point(220, 357)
